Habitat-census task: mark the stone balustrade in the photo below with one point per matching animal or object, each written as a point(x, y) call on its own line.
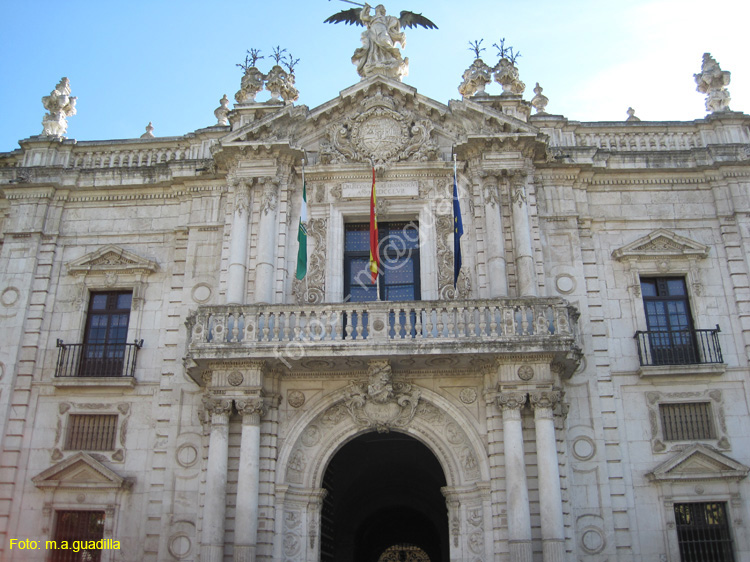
point(368, 329)
point(641, 140)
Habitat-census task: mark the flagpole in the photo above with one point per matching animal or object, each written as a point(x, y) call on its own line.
point(307, 281)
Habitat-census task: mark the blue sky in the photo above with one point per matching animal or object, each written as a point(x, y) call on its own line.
point(170, 61)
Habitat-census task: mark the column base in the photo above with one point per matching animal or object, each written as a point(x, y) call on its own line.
point(554, 550)
point(244, 553)
point(520, 551)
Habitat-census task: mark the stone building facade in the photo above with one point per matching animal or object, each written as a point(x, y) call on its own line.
point(581, 393)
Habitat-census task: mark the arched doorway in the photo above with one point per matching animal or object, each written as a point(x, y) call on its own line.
point(383, 492)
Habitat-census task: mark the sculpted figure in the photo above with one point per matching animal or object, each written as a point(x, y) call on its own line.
point(379, 53)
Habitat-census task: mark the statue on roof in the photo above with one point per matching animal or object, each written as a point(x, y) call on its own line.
point(379, 53)
point(712, 81)
point(60, 105)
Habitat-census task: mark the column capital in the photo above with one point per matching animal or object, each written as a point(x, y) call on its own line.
point(218, 408)
point(544, 398)
point(251, 410)
point(511, 400)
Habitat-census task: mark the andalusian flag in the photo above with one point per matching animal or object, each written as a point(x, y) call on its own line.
point(374, 257)
point(458, 229)
point(302, 235)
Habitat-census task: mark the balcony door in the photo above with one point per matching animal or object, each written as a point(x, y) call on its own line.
point(106, 334)
point(668, 320)
point(398, 245)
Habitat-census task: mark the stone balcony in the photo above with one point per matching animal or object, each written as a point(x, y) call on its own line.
point(438, 335)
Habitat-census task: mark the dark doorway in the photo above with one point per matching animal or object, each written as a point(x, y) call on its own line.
point(383, 490)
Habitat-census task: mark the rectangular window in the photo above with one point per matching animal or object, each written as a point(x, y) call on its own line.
point(670, 328)
point(104, 343)
point(91, 432)
point(703, 532)
point(687, 422)
point(398, 246)
point(72, 526)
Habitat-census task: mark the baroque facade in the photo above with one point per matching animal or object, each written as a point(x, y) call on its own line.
point(579, 394)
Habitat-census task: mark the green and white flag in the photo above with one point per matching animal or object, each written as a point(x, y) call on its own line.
point(302, 235)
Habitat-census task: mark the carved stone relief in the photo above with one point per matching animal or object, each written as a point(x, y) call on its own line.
point(444, 228)
point(380, 402)
point(379, 133)
point(311, 290)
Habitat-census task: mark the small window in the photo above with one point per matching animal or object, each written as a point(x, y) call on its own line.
point(703, 532)
point(91, 432)
point(72, 526)
point(690, 421)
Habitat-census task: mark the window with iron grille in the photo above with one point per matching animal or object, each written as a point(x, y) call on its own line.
point(74, 526)
point(703, 532)
point(91, 432)
point(689, 421)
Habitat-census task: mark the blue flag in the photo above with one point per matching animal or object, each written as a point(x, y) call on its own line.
point(458, 231)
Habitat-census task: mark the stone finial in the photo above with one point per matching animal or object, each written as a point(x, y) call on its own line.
point(252, 83)
point(476, 77)
point(506, 74)
point(631, 116)
point(60, 105)
point(222, 111)
point(149, 134)
point(280, 84)
point(712, 81)
point(539, 101)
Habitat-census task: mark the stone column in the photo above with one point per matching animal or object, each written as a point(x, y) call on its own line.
point(495, 240)
point(525, 276)
point(214, 507)
point(248, 480)
point(550, 497)
point(237, 277)
point(517, 491)
point(265, 262)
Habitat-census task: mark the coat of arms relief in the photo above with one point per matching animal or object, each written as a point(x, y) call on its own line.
point(379, 135)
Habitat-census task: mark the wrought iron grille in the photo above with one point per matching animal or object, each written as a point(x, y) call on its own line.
point(688, 421)
point(703, 532)
point(72, 526)
point(97, 359)
point(679, 347)
point(91, 432)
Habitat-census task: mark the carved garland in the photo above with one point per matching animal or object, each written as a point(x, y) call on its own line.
point(311, 290)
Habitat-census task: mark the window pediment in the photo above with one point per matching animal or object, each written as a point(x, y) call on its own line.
point(111, 259)
point(81, 471)
point(661, 244)
point(698, 463)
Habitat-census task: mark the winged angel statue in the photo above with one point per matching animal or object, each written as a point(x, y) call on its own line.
point(379, 53)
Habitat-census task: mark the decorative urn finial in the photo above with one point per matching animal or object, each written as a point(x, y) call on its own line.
point(539, 101)
point(477, 76)
point(60, 105)
point(712, 81)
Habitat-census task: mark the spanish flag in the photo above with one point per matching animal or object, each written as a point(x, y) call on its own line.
point(374, 257)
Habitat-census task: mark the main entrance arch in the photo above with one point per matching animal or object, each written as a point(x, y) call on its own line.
point(424, 427)
point(383, 490)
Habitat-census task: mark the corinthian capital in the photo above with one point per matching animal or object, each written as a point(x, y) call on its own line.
point(218, 408)
point(545, 399)
point(511, 400)
point(251, 410)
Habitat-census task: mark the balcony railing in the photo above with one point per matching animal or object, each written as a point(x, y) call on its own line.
point(337, 334)
point(679, 347)
point(97, 359)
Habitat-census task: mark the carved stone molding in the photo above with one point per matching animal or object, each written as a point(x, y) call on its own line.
point(269, 195)
point(242, 196)
point(311, 290)
point(380, 402)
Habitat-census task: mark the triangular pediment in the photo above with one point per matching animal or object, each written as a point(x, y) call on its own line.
point(377, 120)
point(699, 463)
point(661, 244)
point(111, 259)
point(81, 471)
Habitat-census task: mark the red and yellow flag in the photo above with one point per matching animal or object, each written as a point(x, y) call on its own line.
point(374, 256)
